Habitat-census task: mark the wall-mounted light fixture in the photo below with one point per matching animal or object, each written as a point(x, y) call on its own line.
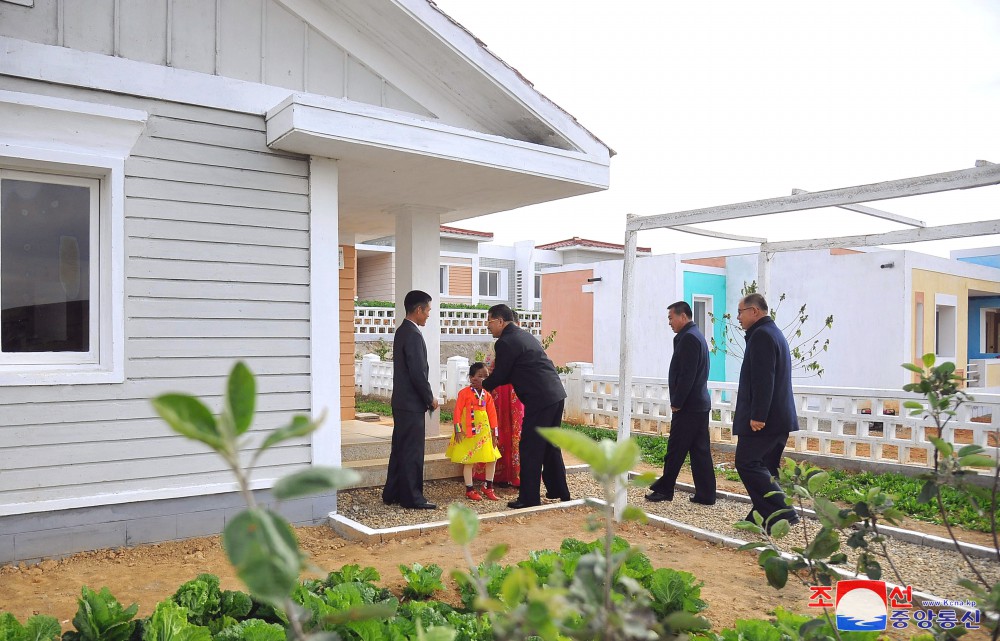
point(887, 265)
point(595, 280)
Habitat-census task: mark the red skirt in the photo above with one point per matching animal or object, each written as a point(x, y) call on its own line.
point(510, 415)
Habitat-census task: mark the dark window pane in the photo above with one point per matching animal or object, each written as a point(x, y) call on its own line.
point(44, 267)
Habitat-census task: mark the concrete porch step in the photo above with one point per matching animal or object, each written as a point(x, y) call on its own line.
point(373, 471)
point(377, 449)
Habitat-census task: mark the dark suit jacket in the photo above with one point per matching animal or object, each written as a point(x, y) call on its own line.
point(521, 361)
point(688, 375)
point(410, 388)
point(765, 392)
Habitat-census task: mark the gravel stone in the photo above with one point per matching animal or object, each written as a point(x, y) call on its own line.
point(927, 569)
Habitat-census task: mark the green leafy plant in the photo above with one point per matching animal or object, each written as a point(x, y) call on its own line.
point(259, 542)
point(803, 350)
point(383, 349)
point(100, 617)
point(170, 623)
point(37, 628)
point(421, 582)
point(204, 601)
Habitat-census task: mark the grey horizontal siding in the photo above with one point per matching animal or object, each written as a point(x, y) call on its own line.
point(216, 263)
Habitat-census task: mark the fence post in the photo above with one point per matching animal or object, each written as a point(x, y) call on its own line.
point(366, 372)
point(574, 391)
point(453, 383)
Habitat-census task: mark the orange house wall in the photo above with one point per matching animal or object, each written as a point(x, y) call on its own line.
point(569, 311)
point(348, 280)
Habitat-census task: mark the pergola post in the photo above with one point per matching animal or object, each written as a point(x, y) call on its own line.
point(625, 373)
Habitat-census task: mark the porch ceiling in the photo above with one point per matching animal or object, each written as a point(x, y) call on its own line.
point(392, 163)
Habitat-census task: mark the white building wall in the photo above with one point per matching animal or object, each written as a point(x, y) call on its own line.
point(376, 279)
point(217, 269)
point(651, 339)
point(869, 305)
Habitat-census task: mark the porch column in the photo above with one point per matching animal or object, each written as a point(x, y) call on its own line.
point(418, 264)
point(324, 308)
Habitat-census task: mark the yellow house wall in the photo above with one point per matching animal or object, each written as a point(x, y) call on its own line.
point(928, 283)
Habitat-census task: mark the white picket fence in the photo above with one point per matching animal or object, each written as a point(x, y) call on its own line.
point(381, 322)
point(854, 423)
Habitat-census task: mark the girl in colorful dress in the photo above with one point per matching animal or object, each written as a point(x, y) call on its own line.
point(475, 437)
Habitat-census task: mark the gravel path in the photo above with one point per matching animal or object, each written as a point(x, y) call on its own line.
point(927, 569)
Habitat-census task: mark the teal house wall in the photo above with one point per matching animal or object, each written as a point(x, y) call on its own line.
point(714, 285)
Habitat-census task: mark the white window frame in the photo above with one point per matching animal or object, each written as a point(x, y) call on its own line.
point(501, 283)
point(78, 140)
point(709, 302)
point(444, 279)
point(949, 304)
point(16, 359)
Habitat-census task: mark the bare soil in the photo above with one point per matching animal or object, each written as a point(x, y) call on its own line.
point(150, 573)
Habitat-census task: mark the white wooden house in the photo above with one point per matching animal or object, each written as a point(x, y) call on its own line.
point(183, 183)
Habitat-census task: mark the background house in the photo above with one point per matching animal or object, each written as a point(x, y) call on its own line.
point(192, 179)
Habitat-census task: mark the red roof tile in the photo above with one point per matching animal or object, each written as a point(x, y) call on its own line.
point(576, 241)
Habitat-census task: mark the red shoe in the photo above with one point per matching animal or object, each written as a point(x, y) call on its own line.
point(488, 493)
point(473, 495)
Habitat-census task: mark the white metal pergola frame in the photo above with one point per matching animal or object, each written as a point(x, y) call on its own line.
point(982, 175)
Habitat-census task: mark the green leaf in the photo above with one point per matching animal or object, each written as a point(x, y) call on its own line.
point(976, 460)
point(643, 480)
point(927, 492)
point(189, 417)
point(753, 545)
point(942, 445)
point(928, 359)
point(496, 553)
point(686, 621)
point(817, 481)
point(913, 368)
point(262, 547)
point(913, 405)
point(748, 526)
point(634, 513)
point(780, 529)
point(241, 397)
point(624, 456)
point(463, 524)
point(827, 542)
point(579, 445)
point(41, 628)
point(170, 623)
point(970, 449)
point(314, 480)
point(300, 426)
point(776, 570)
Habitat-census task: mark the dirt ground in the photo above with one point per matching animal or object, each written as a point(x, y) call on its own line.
point(148, 574)
point(734, 587)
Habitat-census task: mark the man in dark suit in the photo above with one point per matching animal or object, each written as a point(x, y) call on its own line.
point(690, 406)
point(521, 361)
point(411, 398)
point(765, 410)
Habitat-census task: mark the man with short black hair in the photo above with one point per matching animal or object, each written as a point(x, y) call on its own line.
point(765, 410)
point(690, 406)
point(411, 397)
point(521, 361)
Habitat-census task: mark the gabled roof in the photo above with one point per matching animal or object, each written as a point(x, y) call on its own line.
point(466, 234)
point(582, 243)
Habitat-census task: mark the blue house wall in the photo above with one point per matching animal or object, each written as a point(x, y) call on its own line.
point(989, 261)
point(714, 285)
point(976, 306)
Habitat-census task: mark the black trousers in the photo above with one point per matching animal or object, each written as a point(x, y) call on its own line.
point(758, 457)
point(688, 434)
point(539, 457)
point(404, 482)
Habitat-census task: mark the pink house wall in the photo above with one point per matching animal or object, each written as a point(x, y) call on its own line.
point(569, 311)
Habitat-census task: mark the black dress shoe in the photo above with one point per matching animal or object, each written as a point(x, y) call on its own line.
point(421, 506)
point(656, 497)
point(701, 501)
point(518, 505)
point(551, 496)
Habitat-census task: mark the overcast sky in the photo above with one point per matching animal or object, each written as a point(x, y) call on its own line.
point(709, 103)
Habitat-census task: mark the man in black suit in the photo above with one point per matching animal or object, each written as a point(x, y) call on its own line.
point(690, 405)
point(521, 361)
point(411, 398)
point(765, 410)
